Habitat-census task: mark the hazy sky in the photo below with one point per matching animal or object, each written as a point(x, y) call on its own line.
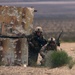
point(31, 0)
point(43, 2)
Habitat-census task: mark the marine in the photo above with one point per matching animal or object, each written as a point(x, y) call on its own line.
point(35, 43)
point(49, 46)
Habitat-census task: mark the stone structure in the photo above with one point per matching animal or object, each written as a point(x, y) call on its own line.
point(15, 21)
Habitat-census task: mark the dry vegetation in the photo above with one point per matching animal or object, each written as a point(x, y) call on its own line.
point(55, 25)
point(52, 27)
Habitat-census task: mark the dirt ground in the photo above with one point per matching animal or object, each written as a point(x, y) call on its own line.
point(20, 70)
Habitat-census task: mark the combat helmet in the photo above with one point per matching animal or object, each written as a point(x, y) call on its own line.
point(52, 38)
point(38, 29)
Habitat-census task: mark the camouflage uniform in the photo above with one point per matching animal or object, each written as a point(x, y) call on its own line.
point(50, 46)
point(35, 44)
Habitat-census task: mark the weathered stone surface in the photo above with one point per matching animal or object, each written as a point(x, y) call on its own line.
point(15, 21)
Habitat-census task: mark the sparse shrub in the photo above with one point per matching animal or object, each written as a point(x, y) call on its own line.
point(57, 59)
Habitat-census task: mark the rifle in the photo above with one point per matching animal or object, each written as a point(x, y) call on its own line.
point(57, 40)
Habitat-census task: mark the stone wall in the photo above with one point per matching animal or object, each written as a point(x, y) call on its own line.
point(15, 21)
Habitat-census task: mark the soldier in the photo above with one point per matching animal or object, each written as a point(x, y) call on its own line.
point(50, 46)
point(35, 44)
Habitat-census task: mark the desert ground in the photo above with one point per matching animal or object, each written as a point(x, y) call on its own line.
point(64, 70)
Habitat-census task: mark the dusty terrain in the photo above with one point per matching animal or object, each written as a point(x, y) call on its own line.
point(11, 70)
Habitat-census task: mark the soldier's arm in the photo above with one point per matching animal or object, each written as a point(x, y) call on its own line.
point(42, 51)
